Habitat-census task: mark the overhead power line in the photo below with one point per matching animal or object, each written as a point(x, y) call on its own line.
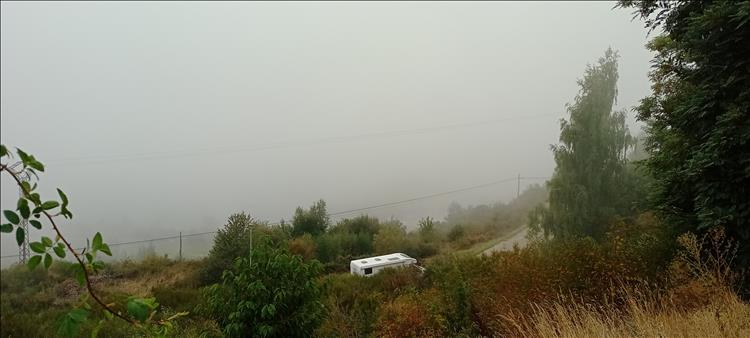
point(282, 145)
point(343, 212)
point(423, 197)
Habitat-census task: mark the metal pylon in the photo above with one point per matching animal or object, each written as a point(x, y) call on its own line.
point(23, 249)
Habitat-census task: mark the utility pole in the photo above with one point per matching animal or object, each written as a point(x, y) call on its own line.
point(518, 186)
point(180, 245)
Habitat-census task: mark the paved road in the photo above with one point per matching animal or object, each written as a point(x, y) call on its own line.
point(507, 245)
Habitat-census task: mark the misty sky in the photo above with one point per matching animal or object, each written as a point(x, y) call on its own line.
point(164, 117)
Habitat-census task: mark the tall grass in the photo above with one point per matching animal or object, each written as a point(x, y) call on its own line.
point(701, 302)
point(724, 316)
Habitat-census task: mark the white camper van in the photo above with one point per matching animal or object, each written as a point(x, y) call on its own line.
point(371, 266)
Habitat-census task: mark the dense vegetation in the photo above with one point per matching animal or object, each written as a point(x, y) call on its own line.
point(698, 131)
point(587, 188)
point(608, 258)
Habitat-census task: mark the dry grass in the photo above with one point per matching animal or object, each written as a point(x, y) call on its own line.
point(724, 316)
point(701, 303)
point(140, 278)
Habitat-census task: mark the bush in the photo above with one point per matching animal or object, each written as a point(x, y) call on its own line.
point(303, 246)
point(231, 241)
point(177, 299)
point(456, 233)
point(269, 293)
point(390, 238)
point(350, 303)
point(313, 221)
point(410, 315)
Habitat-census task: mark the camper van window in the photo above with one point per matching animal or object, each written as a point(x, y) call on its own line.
point(393, 259)
point(368, 271)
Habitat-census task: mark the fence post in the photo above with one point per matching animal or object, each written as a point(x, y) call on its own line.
point(180, 245)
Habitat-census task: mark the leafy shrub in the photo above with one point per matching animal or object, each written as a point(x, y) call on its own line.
point(178, 299)
point(390, 238)
point(409, 316)
point(351, 302)
point(313, 221)
point(333, 245)
point(419, 249)
point(268, 293)
point(231, 241)
point(456, 233)
point(303, 246)
point(451, 278)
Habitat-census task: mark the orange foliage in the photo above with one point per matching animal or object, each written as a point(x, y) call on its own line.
point(303, 246)
point(408, 316)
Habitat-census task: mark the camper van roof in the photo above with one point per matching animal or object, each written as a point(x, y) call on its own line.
point(382, 260)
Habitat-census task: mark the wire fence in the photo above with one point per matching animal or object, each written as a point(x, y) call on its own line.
point(179, 246)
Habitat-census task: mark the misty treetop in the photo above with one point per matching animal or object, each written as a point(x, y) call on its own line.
point(586, 187)
point(313, 221)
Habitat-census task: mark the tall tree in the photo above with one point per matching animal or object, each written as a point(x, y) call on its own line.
point(313, 221)
point(585, 189)
point(698, 114)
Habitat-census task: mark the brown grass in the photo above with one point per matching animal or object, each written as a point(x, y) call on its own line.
point(139, 278)
point(724, 316)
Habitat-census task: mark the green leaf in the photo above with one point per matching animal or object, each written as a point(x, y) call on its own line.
point(25, 158)
point(37, 247)
point(11, 216)
point(47, 261)
point(36, 223)
point(26, 186)
point(105, 249)
point(50, 205)
point(268, 311)
point(89, 257)
point(59, 251)
point(34, 261)
point(20, 236)
point(97, 242)
point(29, 160)
point(70, 324)
point(66, 213)
point(138, 309)
point(36, 164)
point(7, 227)
point(97, 265)
point(63, 197)
point(47, 241)
point(3, 150)
point(98, 327)
point(80, 275)
point(23, 208)
point(34, 197)
point(78, 315)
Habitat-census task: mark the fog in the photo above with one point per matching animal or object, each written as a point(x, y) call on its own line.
point(157, 118)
